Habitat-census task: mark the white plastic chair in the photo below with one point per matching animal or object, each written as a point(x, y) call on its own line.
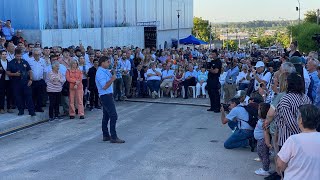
point(193, 91)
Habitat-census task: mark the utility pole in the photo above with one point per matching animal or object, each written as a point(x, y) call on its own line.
point(299, 9)
point(178, 11)
point(318, 16)
point(210, 34)
point(227, 39)
point(102, 24)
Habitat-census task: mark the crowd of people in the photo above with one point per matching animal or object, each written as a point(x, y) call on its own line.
point(276, 110)
point(271, 99)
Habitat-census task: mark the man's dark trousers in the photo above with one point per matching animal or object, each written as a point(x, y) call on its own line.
point(187, 83)
point(23, 96)
point(109, 113)
point(5, 93)
point(38, 92)
point(214, 94)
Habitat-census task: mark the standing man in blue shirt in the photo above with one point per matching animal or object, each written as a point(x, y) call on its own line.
point(104, 80)
point(230, 86)
point(7, 30)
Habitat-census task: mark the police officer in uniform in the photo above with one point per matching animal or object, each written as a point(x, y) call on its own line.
point(21, 76)
point(214, 68)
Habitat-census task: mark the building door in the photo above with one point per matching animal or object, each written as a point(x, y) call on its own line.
point(150, 37)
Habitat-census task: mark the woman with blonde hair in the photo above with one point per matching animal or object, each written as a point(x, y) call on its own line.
point(74, 77)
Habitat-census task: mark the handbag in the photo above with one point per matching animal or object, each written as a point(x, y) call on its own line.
point(65, 88)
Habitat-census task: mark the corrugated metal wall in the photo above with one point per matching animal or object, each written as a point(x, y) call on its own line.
point(68, 14)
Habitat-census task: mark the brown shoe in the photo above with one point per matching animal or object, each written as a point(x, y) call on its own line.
point(106, 138)
point(10, 111)
point(2, 111)
point(118, 141)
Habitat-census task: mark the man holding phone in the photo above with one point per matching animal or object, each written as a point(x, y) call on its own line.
point(104, 81)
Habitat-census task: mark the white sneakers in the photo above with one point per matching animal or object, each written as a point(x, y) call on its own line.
point(262, 172)
point(154, 94)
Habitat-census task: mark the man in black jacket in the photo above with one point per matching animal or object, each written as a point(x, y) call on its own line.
point(139, 81)
point(5, 85)
point(94, 95)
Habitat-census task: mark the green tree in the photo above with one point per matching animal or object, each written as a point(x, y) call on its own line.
point(283, 38)
point(303, 34)
point(264, 41)
point(310, 16)
point(201, 29)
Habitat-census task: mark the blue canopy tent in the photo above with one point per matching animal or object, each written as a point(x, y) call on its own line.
point(192, 40)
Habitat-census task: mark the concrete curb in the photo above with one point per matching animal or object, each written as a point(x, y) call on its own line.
point(173, 103)
point(19, 128)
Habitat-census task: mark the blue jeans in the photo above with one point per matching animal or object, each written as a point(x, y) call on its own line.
point(239, 138)
point(154, 85)
point(109, 113)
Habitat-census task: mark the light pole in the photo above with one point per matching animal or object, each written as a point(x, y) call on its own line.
point(178, 11)
point(318, 16)
point(210, 34)
point(102, 24)
point(227, 39)
point(298, 9)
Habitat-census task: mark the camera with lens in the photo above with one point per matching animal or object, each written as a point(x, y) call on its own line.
point(208, 65)
point(225, 107)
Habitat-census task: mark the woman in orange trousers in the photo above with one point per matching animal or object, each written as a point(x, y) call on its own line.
point(74, 77)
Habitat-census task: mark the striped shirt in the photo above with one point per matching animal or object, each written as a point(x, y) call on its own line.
point(55, 82)
point(286, 117)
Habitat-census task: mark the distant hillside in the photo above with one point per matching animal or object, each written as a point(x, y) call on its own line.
point(255, 24)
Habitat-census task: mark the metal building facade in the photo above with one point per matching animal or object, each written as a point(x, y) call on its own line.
point(72, 14)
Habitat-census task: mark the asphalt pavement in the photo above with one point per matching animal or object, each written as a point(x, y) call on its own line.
point(163, 141)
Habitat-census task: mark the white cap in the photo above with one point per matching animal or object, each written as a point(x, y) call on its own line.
point(259, 64)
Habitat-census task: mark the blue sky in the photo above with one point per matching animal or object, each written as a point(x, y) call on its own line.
point(248, 10)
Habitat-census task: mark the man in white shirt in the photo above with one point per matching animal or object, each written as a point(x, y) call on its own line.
point(261, 75)
point(126, 68)
point(38, 66)
point(167, 80)
point(10, 51)
point(153, 80)
point(189, 79)
point(28, 54)
point(243, 79)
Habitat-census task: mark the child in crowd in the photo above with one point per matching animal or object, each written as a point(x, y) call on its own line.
point(262, 136)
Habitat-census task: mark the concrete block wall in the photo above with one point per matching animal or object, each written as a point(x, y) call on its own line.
point(113, 36)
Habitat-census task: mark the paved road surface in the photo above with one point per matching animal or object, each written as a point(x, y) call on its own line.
point(163, 142)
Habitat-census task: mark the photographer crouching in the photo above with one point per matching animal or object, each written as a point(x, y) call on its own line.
point(238, 121)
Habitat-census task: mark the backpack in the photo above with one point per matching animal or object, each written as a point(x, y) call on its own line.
point(252, 110)
point(310, 89)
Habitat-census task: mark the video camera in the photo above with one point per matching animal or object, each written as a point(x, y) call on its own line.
point(225, 107)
